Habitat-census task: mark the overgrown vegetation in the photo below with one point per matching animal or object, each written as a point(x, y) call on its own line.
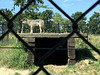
point(94, 39)
point(87, 62)
point(14, 58)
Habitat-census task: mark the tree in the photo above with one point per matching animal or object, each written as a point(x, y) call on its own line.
point(57, 20)
point(64, 23)
point(30, 12)
point(47, 16)
point(22, 3)
point(82, 23)
point(94, 23)
point(3, 22)
point(7, 12)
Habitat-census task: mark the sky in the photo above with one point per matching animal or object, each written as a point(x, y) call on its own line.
point(69, 6)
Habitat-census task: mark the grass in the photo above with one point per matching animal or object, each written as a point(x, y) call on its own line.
point(86, 60)
point(17, 73)
point(93, 39)
point(14, 58)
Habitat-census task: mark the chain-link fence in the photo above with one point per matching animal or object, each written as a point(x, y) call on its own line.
point(75, 25)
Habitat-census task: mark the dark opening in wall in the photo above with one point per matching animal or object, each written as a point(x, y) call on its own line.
point(59, 57)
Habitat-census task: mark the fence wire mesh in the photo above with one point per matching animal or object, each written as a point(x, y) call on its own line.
point(40, 61)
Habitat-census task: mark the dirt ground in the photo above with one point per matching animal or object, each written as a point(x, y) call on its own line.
point(7, 71)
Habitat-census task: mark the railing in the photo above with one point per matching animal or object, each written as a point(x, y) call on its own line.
point(58, 28)
point(75, 25)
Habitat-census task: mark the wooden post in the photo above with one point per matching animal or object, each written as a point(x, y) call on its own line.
point(31, 42)
point(71, 51)
point(58, 29)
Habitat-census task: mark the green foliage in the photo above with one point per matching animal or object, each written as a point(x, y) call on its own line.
point(81, 23)
point(94, 23)
point(31, 73)
point(96, 65)
point(3, 22)
point(64, 23)
point(84, 53)
point(80, 44)
point(15, 58)
point(22, 3)
point(47, 16)
point(57, 18)
point(76, 15)
point(70, 67)
point(17, 73)
point(7, 12)
point(30, 12)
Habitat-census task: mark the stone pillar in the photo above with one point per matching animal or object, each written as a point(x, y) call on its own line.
point(31, 42)
point(71, 51)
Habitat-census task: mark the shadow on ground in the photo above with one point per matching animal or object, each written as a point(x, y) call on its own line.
point(84, 54)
